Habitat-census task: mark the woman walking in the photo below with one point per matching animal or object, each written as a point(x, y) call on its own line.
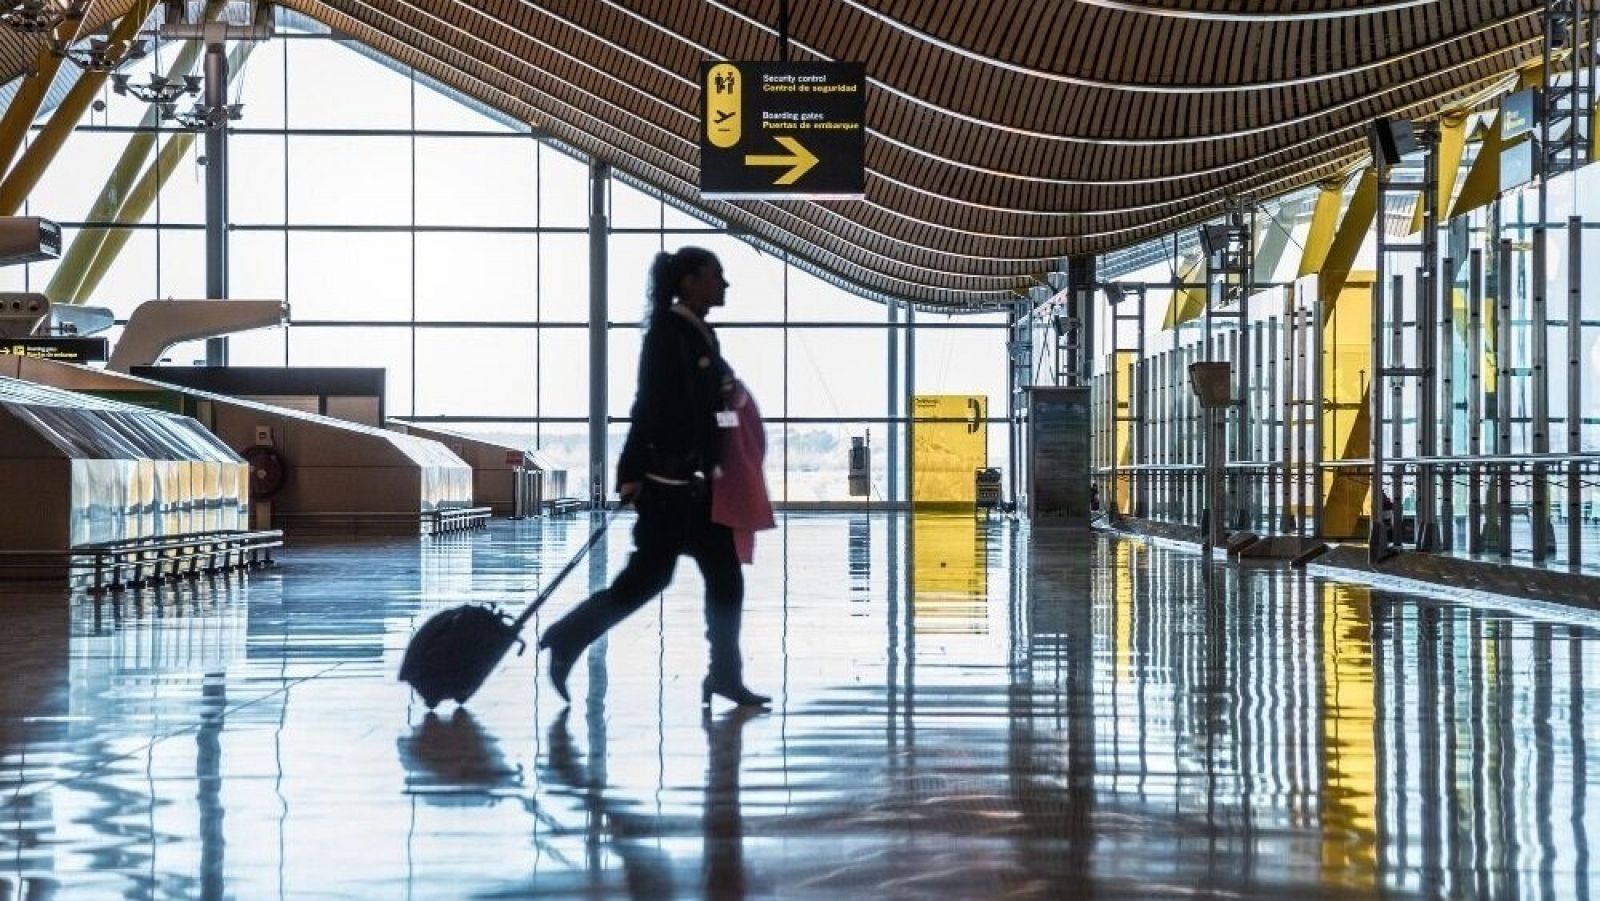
point(667, 471)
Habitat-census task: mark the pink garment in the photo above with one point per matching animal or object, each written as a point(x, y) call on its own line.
point(739, 496)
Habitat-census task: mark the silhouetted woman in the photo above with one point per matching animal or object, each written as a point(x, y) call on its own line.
point(667, 471)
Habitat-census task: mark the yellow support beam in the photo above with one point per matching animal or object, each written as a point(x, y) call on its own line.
point(21, 180)
point(110, 241)
point(1483, 180)
point(1452, 144)
point(1186, 303)
point(1346, 244)
point(1324, 220)
point(30, 94)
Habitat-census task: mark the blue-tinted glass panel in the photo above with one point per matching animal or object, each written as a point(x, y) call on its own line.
point(256, 264)
point(628, 275)
point(839, 372)
point(464, 277)
point(813, 300)
point(475, 372)
point(477, 181)
point(350, 181)
point(260, 86)
point(350, 275)
point(563, 190)
point(257, 179)
point(333, 86)
point(632, 208)
point(564, 278)
point(563, 372)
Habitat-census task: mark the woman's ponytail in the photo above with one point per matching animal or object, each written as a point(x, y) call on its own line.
point(666, 275)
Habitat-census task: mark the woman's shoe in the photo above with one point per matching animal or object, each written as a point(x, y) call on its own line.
point(561, 662)
point(733, 691)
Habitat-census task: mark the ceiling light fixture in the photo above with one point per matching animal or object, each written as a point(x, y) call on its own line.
point(39, 16)
point(101, 54)
point(159, 89)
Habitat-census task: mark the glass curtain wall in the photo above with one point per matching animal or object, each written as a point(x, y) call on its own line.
point(1490, 419)
point(410, 230)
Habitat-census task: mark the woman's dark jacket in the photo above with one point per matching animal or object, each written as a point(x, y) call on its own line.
point(681, 374)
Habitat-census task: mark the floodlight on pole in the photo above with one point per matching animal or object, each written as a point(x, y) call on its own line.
point(1212, 383)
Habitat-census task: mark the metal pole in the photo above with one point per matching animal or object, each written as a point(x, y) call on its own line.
point(1208, 510)
point(1502, 393)
point(1445, 354)
point(599, 174)
point(216, 145)
point(1428, 302)
point(1012, 344)
point(1539, 517)
point(910, 404)
point(1475, 400)
point(1397, 350)
point(896, 404)
point(1319, 404)
point(1574, 390)
point(1547, 166)
point(1377, 534)
point(1293, 421)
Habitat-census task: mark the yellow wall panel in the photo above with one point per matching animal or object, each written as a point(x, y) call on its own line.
point(950, 441)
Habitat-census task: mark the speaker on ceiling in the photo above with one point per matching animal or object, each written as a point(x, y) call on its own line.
point(1390, 140)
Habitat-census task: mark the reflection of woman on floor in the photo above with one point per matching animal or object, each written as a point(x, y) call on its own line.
point(647, 870)
point(724, 817)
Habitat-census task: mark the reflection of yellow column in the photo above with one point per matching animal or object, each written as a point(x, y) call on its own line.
point(949, 576)
point(1349, 797)
point(1122, 595)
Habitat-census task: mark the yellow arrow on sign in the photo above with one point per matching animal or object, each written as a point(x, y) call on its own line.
point(799, 159)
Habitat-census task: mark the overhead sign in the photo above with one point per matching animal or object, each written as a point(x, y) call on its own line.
point(783, 130)
point(1518, 114)
point(66, 350)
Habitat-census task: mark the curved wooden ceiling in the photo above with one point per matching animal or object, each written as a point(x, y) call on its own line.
point(1003, 135)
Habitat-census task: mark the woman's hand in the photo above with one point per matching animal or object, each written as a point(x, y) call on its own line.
point(628, 491)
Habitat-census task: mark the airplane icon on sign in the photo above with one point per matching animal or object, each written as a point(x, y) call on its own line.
point(723, 116)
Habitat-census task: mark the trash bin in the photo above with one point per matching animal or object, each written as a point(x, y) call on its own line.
point(988, 488)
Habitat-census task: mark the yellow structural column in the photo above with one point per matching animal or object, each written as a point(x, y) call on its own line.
point(22, 179)
point(30, 94)
point(1346, 324)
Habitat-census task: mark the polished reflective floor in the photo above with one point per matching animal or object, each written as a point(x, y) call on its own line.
point(962, 709)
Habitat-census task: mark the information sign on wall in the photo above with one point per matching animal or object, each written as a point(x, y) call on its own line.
point(782, 130)
point(65, 350)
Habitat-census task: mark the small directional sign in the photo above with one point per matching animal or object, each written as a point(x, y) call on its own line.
point(64, 349)
point(782, 130)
